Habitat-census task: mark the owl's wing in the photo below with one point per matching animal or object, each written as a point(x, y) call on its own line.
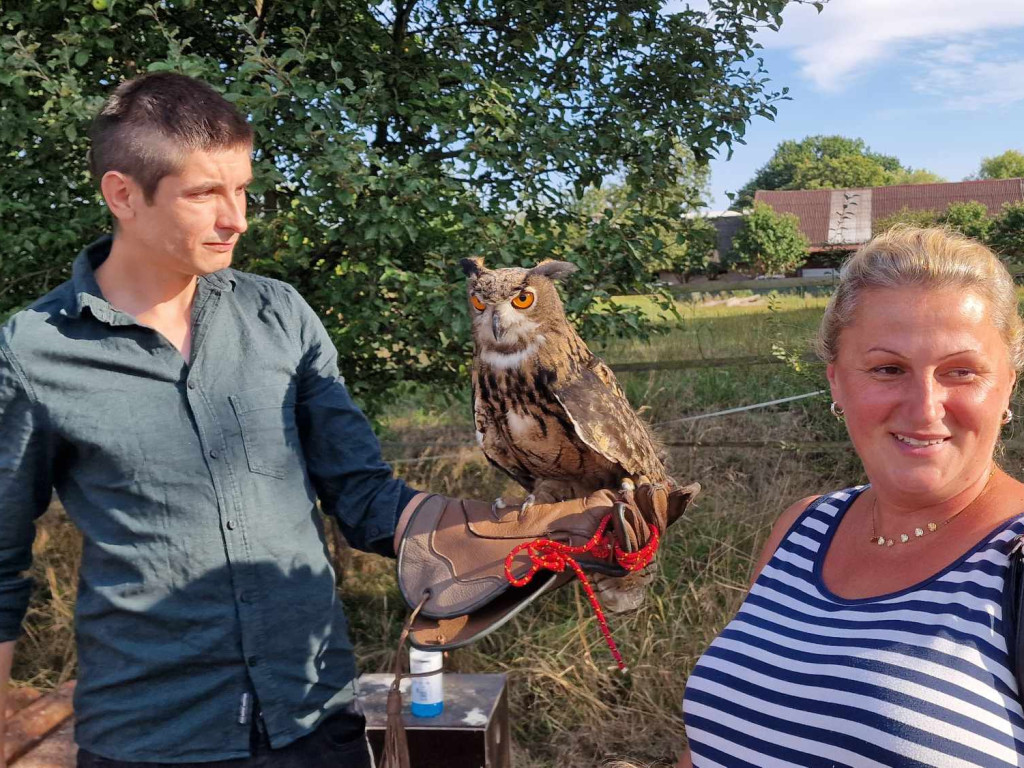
point(480, 421)
point(606, 422)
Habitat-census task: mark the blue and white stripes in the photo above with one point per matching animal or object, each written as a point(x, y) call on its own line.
point(919, 677)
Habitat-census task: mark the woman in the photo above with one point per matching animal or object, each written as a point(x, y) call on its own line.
point(871, 635)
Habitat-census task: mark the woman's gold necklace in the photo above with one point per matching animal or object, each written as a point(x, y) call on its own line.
point(904, 538)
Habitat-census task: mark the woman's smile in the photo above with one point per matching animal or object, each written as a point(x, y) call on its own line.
point(919, 446)
point(923, 376)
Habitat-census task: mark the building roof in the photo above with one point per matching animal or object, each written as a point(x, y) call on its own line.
point(811, 206)
point(836, 217)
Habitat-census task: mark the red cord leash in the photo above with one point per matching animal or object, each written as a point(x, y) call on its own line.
point(555, 556)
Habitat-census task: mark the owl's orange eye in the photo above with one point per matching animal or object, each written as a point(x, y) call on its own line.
point(523, 300)
point(478, 305)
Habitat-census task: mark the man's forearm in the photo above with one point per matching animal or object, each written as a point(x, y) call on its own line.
point(6, 658)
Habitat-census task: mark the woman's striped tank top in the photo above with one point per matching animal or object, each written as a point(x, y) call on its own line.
point(919, 677)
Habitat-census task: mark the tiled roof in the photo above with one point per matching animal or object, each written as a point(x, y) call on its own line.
point(937, 197)
point(811, 206)
point(839, 216)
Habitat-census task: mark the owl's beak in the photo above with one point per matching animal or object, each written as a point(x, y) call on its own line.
point(496, 328)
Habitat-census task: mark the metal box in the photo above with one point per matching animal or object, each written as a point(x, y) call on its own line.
point(471, 732)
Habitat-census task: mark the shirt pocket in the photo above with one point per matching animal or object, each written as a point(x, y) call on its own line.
point(270, 435)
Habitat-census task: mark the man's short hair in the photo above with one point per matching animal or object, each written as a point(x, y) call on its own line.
point(150, 123)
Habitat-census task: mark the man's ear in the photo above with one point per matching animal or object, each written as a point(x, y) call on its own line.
point(122, 195)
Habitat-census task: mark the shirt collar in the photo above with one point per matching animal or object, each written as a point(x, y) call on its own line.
point(87, 291)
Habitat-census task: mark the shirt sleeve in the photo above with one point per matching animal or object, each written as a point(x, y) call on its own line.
point(342, 454)
point(25, 487)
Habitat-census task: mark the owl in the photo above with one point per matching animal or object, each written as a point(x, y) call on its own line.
point(548, 412)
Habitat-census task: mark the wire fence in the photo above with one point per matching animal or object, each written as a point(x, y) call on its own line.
point(678, 365)
point(704, 362)
point(779, 444)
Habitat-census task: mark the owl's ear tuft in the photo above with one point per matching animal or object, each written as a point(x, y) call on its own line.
point(472, 267)
point(554, 270)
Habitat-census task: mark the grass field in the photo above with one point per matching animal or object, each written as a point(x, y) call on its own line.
point(569, 708)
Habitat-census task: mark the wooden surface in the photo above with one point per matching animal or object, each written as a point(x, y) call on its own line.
point(40, 728)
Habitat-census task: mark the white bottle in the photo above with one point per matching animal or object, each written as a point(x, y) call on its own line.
point(427, 691)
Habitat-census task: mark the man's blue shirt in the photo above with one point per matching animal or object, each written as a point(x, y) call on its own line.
point(204, 572)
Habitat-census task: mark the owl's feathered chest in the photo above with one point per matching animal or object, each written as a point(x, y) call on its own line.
point(524, 428)
point(522, 401)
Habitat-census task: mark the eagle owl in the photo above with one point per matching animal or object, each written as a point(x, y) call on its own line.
point(548, 412)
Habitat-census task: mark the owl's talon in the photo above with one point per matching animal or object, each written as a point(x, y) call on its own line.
point(620, 514)
point(528, 502)
point(628, 484)
point(497, 505)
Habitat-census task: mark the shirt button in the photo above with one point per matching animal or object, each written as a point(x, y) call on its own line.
point(246, 597)
point(374, 530)
point(253, 661)
point(213, 454)
point(191, 385)
point(230, 525)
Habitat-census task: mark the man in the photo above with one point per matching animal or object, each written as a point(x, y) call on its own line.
point(189, 416)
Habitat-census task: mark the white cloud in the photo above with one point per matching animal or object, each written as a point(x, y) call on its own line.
point(852, 37)
point(976, 84)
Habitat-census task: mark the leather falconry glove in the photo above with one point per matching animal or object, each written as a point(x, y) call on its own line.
point(452, 553)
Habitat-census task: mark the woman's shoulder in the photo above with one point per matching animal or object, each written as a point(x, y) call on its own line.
point(782, 526)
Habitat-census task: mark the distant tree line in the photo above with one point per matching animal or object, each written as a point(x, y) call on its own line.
point(829, 162)
point(838, 162)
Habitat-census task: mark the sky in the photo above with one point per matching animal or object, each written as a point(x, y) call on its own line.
point(937, 83)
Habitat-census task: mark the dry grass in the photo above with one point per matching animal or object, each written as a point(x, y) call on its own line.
point(580, 711)
point(569, 707)
point(46, 652)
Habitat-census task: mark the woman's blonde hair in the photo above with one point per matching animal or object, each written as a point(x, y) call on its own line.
point(935, 258)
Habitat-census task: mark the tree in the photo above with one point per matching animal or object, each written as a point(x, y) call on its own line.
point(1009, 165)
point(1007, 236)
point(914, 218)
point(970, 219)
point(770, 242)
point(916, 176)
point(682, 242)
point(828, 162)
point(393, 139)
point(839, 172)
point(685, 247)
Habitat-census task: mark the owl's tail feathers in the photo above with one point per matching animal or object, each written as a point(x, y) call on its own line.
point(623, 594)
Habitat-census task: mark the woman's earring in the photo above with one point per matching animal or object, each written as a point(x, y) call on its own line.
point(1007, 416)
point(839, 413)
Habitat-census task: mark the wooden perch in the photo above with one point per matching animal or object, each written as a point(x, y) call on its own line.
point(34, 722)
